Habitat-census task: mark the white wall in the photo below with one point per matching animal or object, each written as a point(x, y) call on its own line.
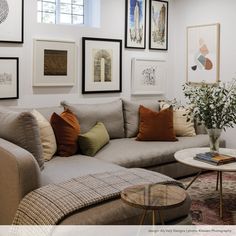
point(192, 12)
point(112, 26)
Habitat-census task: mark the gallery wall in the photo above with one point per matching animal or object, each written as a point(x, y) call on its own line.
point(112, 24)
point(191, 12)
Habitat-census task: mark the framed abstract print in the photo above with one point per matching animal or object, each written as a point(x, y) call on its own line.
point(9, 78)
point(158, 25)
point(54, 63)
point(12, 21)
point(102, 65)
point(148, 76)
point(135, 24)
point(203, 51)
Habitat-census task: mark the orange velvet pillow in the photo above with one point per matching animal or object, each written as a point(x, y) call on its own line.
point(156, 126)
point(67, 129)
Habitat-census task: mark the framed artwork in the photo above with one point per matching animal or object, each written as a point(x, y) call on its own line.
point(54, 63)
point(158, 25)
point(9, 78)
point(12, 21)
point(148, 76)
point(203, 51)
point(102, 65)
point(135, 24)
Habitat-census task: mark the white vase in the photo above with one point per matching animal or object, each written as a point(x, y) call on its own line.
point(214, 138)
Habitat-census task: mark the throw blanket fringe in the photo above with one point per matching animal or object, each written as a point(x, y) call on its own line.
point(50, 204)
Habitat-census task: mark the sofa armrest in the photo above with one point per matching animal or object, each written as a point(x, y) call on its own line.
point(19, 174)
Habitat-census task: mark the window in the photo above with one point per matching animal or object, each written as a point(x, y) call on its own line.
point(61, 11)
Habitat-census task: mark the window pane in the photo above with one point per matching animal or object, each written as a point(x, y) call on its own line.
point(49, 7)
point(66, 1)
point(78, 10)
point(66, 19)
point(39, 3)
point(66, 8)
point(48, 18)
point(39, 16)
point(78, 19)
point(54, 1)
point(78, 2)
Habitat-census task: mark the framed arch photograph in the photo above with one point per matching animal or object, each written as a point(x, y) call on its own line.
point(102, 65)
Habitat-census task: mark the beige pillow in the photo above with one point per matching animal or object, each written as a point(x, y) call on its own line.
point(182, 127)
point(47, 136)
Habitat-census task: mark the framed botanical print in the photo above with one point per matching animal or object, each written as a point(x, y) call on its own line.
point(54, 63)
point(135, 24)
point(9, 78)
point(12, 21)
point(148, 76)
point(203, 49)
point(158, 25)
point(102, 65)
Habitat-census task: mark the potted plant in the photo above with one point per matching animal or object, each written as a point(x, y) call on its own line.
point(213, 105)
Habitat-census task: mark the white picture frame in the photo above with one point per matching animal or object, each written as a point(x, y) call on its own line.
point(203, 54)
point(148, 76)
point(12, 21)
point(54, 63)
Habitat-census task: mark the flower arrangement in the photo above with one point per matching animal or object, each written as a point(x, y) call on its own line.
point(212, 104)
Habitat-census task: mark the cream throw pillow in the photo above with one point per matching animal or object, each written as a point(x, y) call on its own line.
point(47, 136)
point(181, 126)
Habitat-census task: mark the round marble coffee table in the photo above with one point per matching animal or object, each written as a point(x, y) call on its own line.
point(154, 197)
point(186, 156)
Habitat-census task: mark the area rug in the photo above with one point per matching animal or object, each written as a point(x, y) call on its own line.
point(205, 199)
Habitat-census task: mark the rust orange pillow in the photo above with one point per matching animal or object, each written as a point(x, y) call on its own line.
point(67, 129)
point(156, 126)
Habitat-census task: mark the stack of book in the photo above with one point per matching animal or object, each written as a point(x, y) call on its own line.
point(215, 158)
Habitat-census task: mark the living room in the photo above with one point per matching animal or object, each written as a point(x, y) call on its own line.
point(115, 100)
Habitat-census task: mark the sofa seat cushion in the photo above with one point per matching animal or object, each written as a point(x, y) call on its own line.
point(60, 169)
point(131, 153)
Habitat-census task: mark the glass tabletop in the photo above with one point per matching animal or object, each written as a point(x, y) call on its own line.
point(153, 196)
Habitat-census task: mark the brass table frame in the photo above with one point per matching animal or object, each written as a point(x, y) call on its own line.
point(153, 217)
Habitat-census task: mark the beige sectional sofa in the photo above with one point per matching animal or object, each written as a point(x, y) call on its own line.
point(20, 172)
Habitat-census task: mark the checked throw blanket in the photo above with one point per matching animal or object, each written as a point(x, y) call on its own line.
point(50, 204)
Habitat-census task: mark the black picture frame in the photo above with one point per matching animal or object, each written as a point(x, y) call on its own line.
point(158, 42)
point(5, 80)
point(130, 43)
point(16, 27)
point(112, 79)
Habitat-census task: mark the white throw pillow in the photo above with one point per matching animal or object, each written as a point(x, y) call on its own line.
point(47, 136)
point(182, 127)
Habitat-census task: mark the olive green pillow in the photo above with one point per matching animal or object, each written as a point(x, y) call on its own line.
point(92, 141)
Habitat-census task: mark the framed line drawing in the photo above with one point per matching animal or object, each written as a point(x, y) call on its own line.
point(158, 25)
point(203, 53)
point(54, 63)
point(9, 77)
point(148, 76)
point(12, 21)
point(135, 24)
point(102, 65)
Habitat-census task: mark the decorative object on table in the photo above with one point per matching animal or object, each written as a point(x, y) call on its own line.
point(158, 25)
point(54, 63)
point(214, 106)
point(135, 24)
point(148, 76)
point(214, 158)
point(9, 77)
point(203, 49)
point(12, 21)
point(102, 65)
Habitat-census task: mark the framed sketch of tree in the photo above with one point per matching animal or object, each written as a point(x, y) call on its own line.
point(135, 24)
point(9, 73)
point(148, 76)
point(102, 65)
point(158, 25)
point(203, 49)
point(12, 21)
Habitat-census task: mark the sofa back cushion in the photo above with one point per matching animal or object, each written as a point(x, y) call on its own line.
point(110, 114)
point(21, 128)
point(131, 115)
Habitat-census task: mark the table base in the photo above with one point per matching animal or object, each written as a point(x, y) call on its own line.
point(153, 217)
